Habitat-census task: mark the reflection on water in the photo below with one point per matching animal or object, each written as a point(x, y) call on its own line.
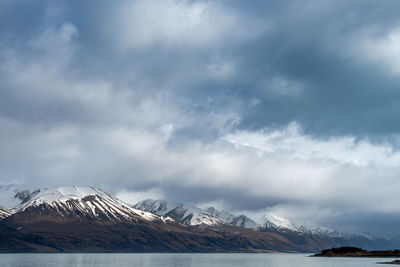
point(176, 260)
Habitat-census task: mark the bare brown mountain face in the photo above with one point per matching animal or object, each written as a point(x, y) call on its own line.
point(72, 219)
point(39, 229)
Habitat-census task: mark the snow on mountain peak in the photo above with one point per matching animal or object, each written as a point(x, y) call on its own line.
point(245, 222)
point(277, 222)
point(281, 224)
point(184, 213)
point(222, 214)
point(319, 230)
point(189, 214)
point(12, 195)
point(47, 195)
point(91, 201)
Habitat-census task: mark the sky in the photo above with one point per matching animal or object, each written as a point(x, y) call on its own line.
point(286, 107)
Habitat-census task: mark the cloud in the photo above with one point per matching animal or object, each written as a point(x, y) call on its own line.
point(134, 197)
point(291, 141)
point(376, 47)
point(178, 23)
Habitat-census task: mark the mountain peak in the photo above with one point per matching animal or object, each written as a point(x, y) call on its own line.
point(278, 223)
point(189, 214)
point(85, 202)
point(62, 193)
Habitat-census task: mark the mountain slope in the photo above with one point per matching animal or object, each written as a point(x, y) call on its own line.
point(4, 213)
point(76, 236)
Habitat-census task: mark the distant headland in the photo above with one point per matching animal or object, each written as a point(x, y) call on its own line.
point(357, 252)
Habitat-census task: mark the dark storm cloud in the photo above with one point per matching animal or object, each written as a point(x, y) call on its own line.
point(261, 105)
point(340, 95)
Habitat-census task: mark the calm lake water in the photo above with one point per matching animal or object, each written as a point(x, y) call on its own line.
point(176, 260)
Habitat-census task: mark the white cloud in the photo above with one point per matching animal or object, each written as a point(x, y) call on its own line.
point(335, 171)
point(132, 197)
point(373, 46)
point(282, 86)
point(142, 24)
point(292, 143)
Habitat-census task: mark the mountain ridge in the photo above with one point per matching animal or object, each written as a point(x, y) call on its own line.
point(88, 219)
point(191, 215)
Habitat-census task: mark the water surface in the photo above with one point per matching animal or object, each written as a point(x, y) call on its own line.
point(177, 260)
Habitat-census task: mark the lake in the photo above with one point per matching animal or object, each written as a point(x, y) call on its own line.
point(176, 260)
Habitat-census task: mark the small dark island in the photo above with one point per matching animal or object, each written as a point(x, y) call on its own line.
point(358, 252)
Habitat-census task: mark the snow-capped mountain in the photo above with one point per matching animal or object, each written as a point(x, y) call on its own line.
point(319, 231)
point(276, 223)
point(188, 214)
point(76, 219)
point(245, 222)
point(88, 202)
point(184, 213)
point(240, 221)
point(12, 195)
point(96, 204)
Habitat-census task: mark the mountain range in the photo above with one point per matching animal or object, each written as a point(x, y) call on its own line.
point(88, 219)
point(191, 215)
